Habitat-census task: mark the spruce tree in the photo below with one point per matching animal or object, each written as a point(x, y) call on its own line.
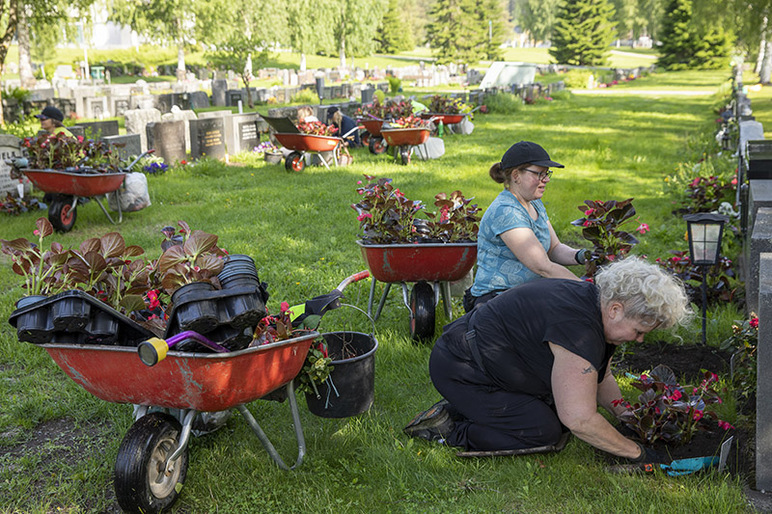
point(394, 34)
point(677, 38)
point(492, 19)
point(453, 33)
point(583, 32)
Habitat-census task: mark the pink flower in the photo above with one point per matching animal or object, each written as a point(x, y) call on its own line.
point(697, 415)
point(284, 307)
point(676, 395)
point(734, 181)
point(725, 425)
point(36, 232)
point(611, 257)
point(589, 212)
point(754, 322)
point(695, 182)
point(359, 182)
point(586, 223)
point(643, 228)
point(364, 216)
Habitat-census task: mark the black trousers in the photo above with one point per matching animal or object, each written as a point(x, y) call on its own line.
point(489, 417)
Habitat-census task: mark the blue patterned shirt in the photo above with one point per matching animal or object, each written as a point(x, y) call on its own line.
point(497, 266)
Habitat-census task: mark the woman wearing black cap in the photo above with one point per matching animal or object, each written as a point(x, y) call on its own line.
point(51, 120)
point(516, 242)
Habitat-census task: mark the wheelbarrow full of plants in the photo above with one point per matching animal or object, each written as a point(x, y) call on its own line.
point(405, 135)
point(372, 136)
point(184, 383)
point(72, 185)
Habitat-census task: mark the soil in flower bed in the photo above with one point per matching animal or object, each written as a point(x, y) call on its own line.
point(688, 362)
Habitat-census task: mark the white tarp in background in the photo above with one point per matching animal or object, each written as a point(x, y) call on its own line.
point(503, 74)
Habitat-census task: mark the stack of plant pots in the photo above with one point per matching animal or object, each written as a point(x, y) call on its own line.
point(74, 317)
point(228, 315)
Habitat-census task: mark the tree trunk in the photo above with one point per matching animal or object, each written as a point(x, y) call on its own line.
point(5, 42)
point(342, 53)
point(247, 77)
point(766, 65)
point(26, 77)
point(762, 46)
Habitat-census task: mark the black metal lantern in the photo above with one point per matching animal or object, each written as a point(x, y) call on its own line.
point(704, 232)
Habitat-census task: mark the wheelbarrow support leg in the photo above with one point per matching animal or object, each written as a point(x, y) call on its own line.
point(445, 290)
point(118, 201)
point(382, 302)
point(290, 387)
point(187, 425)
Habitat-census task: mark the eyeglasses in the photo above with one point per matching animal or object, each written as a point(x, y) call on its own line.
point(543, 175)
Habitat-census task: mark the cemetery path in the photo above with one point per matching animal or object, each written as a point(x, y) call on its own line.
point(643, 92)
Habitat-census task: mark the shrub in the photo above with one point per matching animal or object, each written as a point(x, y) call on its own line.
point(503, 103)
point(395, 84)
point(577, 79)
point(306, 96)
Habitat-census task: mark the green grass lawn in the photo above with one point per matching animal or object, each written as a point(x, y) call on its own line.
point(301, 232)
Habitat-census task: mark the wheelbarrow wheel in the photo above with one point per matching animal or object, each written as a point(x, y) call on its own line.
point(141, 482)
point(364, 137)
point(422, 311)
point(295, 162)
point(377, 145)
point(62, 213)
point(404, 155)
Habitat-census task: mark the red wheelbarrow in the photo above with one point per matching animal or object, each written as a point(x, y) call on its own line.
point(373, 137)
point(404, 140)
point(446, 119)
point(171, 389)
point(431, 266)
point(68, 187)
point(300, 144)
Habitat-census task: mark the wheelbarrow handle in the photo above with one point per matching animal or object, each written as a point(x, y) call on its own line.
point(140, 156)
point(154, 350)
point(356, 277)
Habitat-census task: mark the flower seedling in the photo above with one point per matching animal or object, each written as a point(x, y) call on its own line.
point(600, 226)
point(668, 412)
point(193, 257)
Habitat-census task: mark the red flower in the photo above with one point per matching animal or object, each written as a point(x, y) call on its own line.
point(724, 425)
point(676, 395)
point(754, 322)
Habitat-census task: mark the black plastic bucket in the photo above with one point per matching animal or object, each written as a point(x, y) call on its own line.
point(350, 388)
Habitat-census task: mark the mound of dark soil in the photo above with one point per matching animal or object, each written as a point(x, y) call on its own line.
point(688, 362)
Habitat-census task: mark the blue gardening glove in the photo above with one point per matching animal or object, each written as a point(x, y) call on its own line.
point(650, 456)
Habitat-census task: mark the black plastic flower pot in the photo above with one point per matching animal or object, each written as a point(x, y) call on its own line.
point(244, 310)
point(35, 325)
point(102, 329)
point(350, 388)
point(239, 280)
point(70, 314)
point(194, 307)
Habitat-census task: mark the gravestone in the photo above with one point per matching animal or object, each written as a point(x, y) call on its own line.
point(137, 121)
point(213, 114)
point(234, 96)
point(168, 139)
point(96, 108)
point(127, 146)
point(10, 147)
point(100, 129)
point(219, 87)
point(121, 104)
point(42, 95)
point(198, 100)
point(178, 114)
point(207, 138)
point(759, 242)
point(241, 132)
point(77, 130)
point(764, 377)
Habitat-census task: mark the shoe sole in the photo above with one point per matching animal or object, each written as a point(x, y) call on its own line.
point(436, 416)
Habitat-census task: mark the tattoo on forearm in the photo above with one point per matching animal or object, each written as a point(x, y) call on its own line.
point(588, 369)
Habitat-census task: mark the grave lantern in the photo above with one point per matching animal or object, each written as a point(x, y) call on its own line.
point(704, 232)
point(320, 89)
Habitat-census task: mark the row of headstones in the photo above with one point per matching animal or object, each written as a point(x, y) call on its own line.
point(755, 163)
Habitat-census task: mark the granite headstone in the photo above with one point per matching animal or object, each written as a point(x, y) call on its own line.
point(168, 140)
point(207, 138)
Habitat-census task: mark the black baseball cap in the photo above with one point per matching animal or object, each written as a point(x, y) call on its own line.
point(330, 112)
point(526, 152)
point(50, 112)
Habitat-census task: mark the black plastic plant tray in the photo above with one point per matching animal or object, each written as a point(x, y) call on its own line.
point(74, 317)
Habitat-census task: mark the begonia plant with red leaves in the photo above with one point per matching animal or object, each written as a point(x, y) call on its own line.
point(409, 122)
point(668, 412)
point(190, 256)
point(600, 226)
point(387, 216)
point(317, 128)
